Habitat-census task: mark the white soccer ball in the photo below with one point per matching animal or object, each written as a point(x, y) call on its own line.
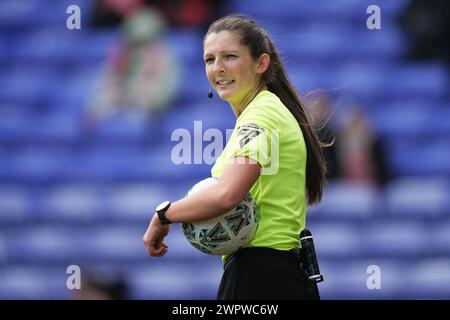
point(227, 233)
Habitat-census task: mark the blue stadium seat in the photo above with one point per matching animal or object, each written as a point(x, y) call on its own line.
point(14, 203)
point(389, 44)
point(15, 14)
point(427, 162)
point(310, 77)
point(98, 167)
point(407, 122)
point(75, 93)
point(337, 240)
point(346, 200)
point(3, 251)
point(71, 203)
point(193, 74)
point(112, 242)
point(359, 78)
point(57, 127)
point(400, 239)
point(93, 48)
point(20, 127)
point(295, 11)
point(24, 86)
point(187, 46)
point(19, 282)
point(42, 46)
point(417, 197)
point(207, 115)
point(125, 127)
point(436, 159)
point(4, 51)
point(156, 166)
point(354, 279)
point(429, 279)
point(439, 237)
point(330, 43)
point(417, 80)
point(440, 124)
point(136, 201)
point(193, 281)
point(41, 243)
point(33, 165)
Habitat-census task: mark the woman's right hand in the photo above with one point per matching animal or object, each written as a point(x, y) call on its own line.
point(154, 236)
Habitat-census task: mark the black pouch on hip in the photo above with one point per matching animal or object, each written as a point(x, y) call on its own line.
point(309, 257)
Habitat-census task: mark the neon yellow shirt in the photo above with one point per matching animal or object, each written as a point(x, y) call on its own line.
point(267, 132)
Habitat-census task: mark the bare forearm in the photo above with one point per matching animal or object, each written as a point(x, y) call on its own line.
point(205, 204)
point(218, 198)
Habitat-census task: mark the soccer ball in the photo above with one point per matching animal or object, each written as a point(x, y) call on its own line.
point(227, 233)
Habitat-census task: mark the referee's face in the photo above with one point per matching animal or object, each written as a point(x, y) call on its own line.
point(230, 67)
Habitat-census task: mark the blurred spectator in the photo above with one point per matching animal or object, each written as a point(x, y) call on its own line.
point(360, 151)
point(190, 13)
point(320, 110)
point(178, 13)
point(108, 13)
point(95, 286)
point(357, 152)
point(428, 24)
point(142, 74)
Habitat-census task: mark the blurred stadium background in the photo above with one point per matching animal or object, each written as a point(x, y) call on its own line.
point(73, 197)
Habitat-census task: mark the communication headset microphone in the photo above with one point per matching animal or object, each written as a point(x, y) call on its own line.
point(210, 94)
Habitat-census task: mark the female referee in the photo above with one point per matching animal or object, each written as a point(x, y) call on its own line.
point(244, 68)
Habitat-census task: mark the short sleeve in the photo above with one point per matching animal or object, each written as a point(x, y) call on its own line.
point(257, 132)
point(252, 142)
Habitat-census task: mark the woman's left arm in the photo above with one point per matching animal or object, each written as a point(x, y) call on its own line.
point(236, 181)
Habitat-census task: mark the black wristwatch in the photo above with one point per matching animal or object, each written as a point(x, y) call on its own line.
point(161, 211)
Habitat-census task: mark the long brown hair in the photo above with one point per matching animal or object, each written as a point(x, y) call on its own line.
point(277, 81)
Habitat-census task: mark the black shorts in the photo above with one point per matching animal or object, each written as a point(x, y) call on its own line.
point(265, 274)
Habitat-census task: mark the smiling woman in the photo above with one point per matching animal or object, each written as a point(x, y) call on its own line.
point(231, 70)
point(272, 131)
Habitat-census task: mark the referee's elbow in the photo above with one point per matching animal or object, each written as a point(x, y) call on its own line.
point(229, 199)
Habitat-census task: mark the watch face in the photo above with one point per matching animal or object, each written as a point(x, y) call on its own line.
point(162, 205)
